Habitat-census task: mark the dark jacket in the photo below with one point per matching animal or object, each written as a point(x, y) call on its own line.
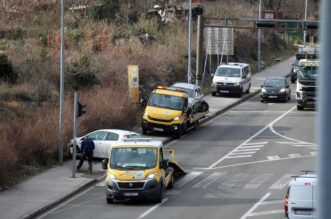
point(87, 145)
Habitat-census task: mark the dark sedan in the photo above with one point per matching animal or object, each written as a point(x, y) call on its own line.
point(275, 89)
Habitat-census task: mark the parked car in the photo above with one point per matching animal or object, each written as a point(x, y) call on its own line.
point(232, 78)
point(301, 197)
point(276, 88)
point(103, 140)
point(195, 96)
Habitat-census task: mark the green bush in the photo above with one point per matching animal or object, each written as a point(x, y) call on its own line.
point(7, 72)
point(106, 11)
point(81, 74)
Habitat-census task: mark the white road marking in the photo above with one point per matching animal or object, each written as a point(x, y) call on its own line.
point(190, 176)
point(255, 206)
point(266, 213)
point(313, 153)
point(257, 143)
point(259, 180)
point(100, 184)
point(239, 156)
point(243, 152)
point(294, 155)
point(243, 149)
point(252, 146)
point(249, 163)
point(288, 138)
point(273, 157)
point(272, 202)
point(152, 209)
point(252, 137)
point(282, 182)
point(234, 181)
point(209, 180)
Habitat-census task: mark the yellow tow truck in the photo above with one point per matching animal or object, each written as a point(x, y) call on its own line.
point(167, 111)
point(137, 168)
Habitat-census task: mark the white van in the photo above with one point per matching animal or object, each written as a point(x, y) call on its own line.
point(301, 197)
point(232, 78)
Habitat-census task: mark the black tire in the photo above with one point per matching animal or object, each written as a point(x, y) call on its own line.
point(144, 131)
point(240, 93)
point(171, 183)
point(159, 195)
point(110, 200)
point(299, 107)
point(179, 133)
point(292, 81)
point(213, 94)
point(249, 89)
point(262, 101)
point(204, 106)
point(289, 96)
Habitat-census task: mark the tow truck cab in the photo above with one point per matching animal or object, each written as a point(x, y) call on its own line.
point(138, 169)
point(168, 111)
point(307, 83)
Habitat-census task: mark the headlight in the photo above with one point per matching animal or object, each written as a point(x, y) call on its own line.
point(111, 176)
point(263, 90)
point(237, 84)
point(176, 118)
point(151, 176)
point(145, 114)
point(282, 90)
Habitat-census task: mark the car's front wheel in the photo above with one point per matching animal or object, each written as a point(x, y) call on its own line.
point(110, 200)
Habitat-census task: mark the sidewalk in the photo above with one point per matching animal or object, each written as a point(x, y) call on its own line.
point(39, 193)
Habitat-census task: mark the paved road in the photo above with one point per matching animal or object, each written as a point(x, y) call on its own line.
point(239, 165)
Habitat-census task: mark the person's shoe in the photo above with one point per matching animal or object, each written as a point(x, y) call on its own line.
point(77, 168)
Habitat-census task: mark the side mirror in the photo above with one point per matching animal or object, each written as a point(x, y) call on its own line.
point(164, 164)
point(104, 163)
point(261, 85)
point(287, 86)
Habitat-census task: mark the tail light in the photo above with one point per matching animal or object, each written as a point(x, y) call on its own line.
point(286, 204)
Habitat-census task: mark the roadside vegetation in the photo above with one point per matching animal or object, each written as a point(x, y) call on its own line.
point(100, 41)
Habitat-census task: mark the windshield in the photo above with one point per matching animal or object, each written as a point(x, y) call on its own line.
point(166, 101)
point(190, 92)
point(133, 158)
point(274, 83)
point(308, 72)
point(228, 72)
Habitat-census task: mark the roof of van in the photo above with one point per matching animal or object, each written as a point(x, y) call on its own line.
point(234, 65)
point(304, 179)
point(140, 142)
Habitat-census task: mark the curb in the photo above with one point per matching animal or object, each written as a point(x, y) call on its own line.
point(83, 186)
point(62, 198)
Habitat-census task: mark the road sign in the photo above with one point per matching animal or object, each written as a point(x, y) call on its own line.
point(219, 41)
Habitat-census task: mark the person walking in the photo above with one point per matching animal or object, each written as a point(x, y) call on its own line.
point(87, 148)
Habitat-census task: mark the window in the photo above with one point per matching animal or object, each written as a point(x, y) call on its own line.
point(112, 136)
point(99, 135)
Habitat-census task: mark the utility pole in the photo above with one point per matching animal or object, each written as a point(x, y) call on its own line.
point(324, 116)
point(305, 32)
point(199, 61)
point(189, 43)
point(61, 126)
point(259, 40)
point(74, 153)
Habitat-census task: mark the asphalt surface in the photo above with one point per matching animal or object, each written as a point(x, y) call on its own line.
point(239, 165)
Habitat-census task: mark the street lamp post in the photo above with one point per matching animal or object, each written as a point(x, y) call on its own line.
point(305, 32)
point(61, 126)
point(189, 43)
point(259, 40)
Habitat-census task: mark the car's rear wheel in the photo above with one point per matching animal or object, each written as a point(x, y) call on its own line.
point(299, 107)
point(213, 94)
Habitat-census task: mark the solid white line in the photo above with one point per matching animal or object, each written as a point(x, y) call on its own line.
point(242, 152)
point(249, 163)
point(288, 138)
point(272, 202)
point(152, 209)
point(244, 149)
point(257, 143)
point(259, 180)
point(253, 136)
point(100, 184)
point(255, 206)
point(294, 155)
point(253, 146)
point(190, 176)
point(242, 156)
point(266, 213)
point(273, 157)
point(282, 182)
point(286, 142)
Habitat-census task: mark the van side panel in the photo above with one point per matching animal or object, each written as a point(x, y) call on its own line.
point(300, 202)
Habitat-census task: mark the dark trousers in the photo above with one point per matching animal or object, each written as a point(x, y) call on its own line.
point(89, 156)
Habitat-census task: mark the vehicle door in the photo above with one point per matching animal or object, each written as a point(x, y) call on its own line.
point(107, 143)
point(300, 202)
point(245, 79)
point(98, 138)
point(162, 170)
point(315, 199)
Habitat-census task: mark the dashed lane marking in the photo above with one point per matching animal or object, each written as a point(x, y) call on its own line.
point(294, 155)
point(273, 157)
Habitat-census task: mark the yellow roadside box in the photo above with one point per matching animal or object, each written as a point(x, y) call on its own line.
point(133, 80)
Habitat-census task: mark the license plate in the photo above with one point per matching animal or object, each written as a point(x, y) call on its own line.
point(224, 91)
point(272, 96)
point(158, 129)
point(130, 194)
point(303, 212)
